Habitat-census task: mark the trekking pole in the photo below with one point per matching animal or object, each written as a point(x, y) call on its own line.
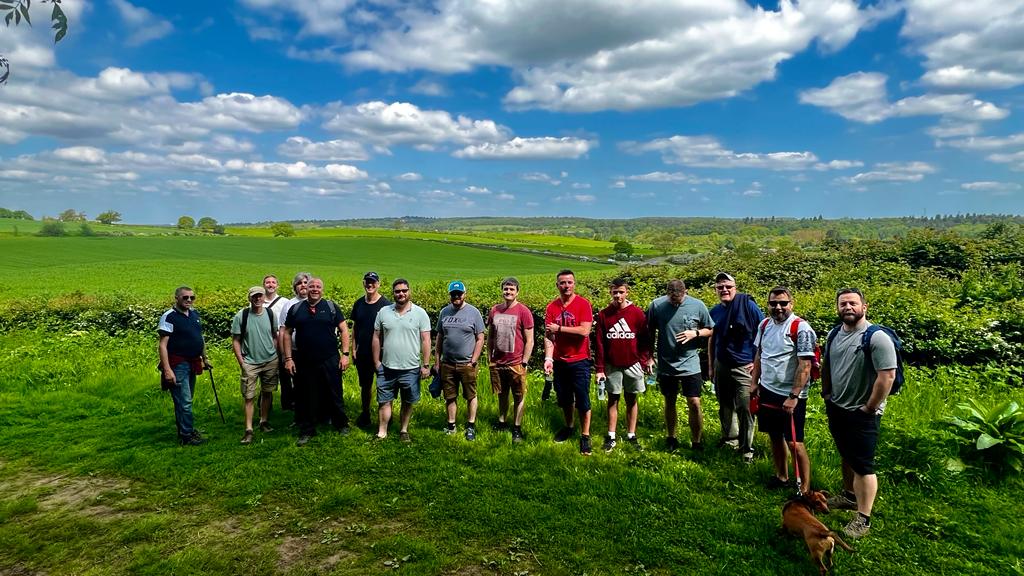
point(214, 386)
point(796, 462)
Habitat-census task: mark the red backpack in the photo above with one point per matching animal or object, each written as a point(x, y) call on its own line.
point(793, 329)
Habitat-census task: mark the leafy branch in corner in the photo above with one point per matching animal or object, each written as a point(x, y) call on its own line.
point(18, 10)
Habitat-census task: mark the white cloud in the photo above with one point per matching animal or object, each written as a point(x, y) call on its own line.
point(891, 172)
point(862, 97)
point(675, 177)
point(707, 152)
point(404, 123)
point(429, 88)
point(331, 150)
point(952, 129)
point(527, 149)
point(987, 142)
point(81, 155)
point(479, 190)
point(540, 177)
point(409, 177)
point(319, 17)
point(990, 186)
point(1015, 160)
point(240, 111)
point(752, 193)
point(580, 186)
point(504, 196)
point(145, 25)
point(617, 184)
point(578, 198)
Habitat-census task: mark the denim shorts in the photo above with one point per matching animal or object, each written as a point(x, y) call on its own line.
point(391, 383)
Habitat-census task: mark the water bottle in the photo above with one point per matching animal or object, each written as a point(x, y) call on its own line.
point(549, 383)
point(652, 381)
point(601, 388)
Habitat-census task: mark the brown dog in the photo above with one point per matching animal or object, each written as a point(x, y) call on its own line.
point(798, 519)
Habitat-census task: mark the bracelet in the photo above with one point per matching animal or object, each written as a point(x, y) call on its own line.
point(549, 359)
point(287, 358)
point(344, 353)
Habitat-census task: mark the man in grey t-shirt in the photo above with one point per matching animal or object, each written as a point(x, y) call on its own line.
point(460, 338)
point(854, 400)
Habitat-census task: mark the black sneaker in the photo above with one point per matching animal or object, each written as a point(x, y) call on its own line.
point(634, 442)
point(500, 426)
point(247, 437)
point(364, 420)
point(585, 445)
point(609, 444)
point(776, 483)
point(517, 435)
point(470, 432)
point(194, 440)
point(266, 427)
point(564, 434)
point(671, 443)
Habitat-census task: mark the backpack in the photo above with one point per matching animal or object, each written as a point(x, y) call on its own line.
point(865, 345)
point(794, 327)
point(245, 324)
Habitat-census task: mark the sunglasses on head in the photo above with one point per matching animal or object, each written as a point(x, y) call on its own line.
point(778, 303)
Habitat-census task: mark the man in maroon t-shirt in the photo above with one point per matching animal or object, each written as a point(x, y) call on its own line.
point(621, 358)
point(567, 323)
point(510, 343)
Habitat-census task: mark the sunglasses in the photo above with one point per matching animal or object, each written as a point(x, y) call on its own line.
point(725, 288)
point(778, 303)
point(193, 297)
point(400, 290)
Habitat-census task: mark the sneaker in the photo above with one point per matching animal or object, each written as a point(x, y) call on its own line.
point(449, 429)
point(609, 444)
point(500, 426)
point(247, 437)
point(697, 446)
point(634, 442)
point(517, 435)
point(857, 528)
point(776, 483)
point(564, 434)
point(265, 427)
point(730, 442)
point(671, 443)
point(585, 445)
point(841, 502)
point(470, 433)
point(748, 457)
point(194, 440)
point(303, 440)
point(364, 420)
point(405, 438)
point(344, 430)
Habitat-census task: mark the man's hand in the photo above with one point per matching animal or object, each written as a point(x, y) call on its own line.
point(169, 376)
point(289, 365)
point(549, 365)
point(600, 376)
point(553, 327)
point(790, 405)
point(343, 362)
point(424, 371)
point(686, 335)
point(206, 363)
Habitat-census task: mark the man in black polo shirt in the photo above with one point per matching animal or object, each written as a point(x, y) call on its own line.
point(182, 358)
point(363, 315)
point(317, 364)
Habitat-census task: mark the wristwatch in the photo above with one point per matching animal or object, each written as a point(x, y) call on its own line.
point(793, 396)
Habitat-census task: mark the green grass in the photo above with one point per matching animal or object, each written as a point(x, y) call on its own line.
point(151, 267)
point(92, 482)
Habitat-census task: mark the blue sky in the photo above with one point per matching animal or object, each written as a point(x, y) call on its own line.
point(251, 110)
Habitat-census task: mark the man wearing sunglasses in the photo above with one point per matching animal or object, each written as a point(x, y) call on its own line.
point(782, 370)
point(731, 360)
point(460, 340)
point(182, 358)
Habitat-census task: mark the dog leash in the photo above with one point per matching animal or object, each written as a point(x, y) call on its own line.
point(792, 449)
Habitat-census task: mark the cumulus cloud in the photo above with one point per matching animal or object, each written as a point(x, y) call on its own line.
point(409, 177)
point(527, 149)
point(405, 123)
point(990, 186)
point(1014, 159)
point(331, 150)
point(891, 172)
point(143, 24)
point(478, 190)
point(675, 177)
point(708, 152)
point(540, 177)
point(81, 155)
point(987, 142)
point(863, 97)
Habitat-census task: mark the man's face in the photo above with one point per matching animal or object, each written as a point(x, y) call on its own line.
point(676, 296)
point(780, 306)
point(851, 309)
point(401, 293)
point(371, 287)
point(256, 300)
point(566, 284)
point(301, 288)
point(315, 290)
point(185, 299)
point(457, 298)
point(270, 285)
point(510, 293)
point(726, 291)
point(619, 295)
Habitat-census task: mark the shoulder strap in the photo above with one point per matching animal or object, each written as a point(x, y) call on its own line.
point(245, 323)
point(831, 336)
point(332, 307)
point(273, 322)
point(764, 324)
point(794, 327)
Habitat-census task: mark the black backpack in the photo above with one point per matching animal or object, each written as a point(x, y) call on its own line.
point(865, 345)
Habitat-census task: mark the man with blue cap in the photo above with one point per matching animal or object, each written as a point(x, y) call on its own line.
point(460, 339)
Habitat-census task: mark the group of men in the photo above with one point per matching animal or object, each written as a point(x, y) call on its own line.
point(303, 345)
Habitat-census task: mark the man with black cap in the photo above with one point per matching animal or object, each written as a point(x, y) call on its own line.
point(731, 362)
point(254, 341)
point(364, 313)
point(460, 338)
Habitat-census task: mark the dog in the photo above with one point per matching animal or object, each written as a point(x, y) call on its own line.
point(798, 519)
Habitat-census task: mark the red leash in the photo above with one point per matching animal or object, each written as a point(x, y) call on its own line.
point(792, 433)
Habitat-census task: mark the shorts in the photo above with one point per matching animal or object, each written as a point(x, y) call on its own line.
point(508, 377)
point(572, 384)
point(856, 436)
point(629, 380)
point(266, 374)
point(391, 383)
point(690, 384)
point(775, 422)
point(454, 374)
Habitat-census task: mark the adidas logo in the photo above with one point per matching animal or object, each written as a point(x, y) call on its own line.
point(620, 331)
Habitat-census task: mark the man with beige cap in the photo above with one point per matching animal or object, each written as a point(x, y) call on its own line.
point(254, 340)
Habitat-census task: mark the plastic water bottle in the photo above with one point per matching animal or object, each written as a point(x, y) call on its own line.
point(601, 388)
point(652, 381)
point(549, 383)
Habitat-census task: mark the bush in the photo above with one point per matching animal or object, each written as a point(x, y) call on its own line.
point(52, 228)
point(995, 434)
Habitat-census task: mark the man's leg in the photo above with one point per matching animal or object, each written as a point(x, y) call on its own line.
point(613, 413)
point(671, 416)
point(287, 388)
point(249, 409)
point(336, 393)
point(517, 383)
point(406, 416)
point(468, 376)
point(518, 408)
point(569, 413)
point(743, 415)
point(365, 372)
point(805, 466)
point(385, 396)
point(725, 391)
point(503, 406)
point(696, 420)
point(780, 456)
point(304, 399)
point(865, 487)
point(383, 419)
point(849, 478)
point(182, 396)
point(632, 413)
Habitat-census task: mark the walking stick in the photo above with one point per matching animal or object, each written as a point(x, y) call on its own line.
point(214, 386)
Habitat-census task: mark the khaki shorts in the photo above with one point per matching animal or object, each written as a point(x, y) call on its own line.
point(266, 374)
point(508, 377)
point(629, 380)
point(454, 374)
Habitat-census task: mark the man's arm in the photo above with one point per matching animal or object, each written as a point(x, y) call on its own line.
point(880, 389)
point(375, 349)
point(286, 341)
point(165, 360)
point(527, 344)
point(582, 330)
point(803, 373)
point(477, 348)
point(755, 372)
point(236, 345)
point(425, 351)
point(549, 352)
point(711, 356)
point(343, 332)
point(438, 342)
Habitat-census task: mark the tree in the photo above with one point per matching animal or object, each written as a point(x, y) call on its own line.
point(109, 217)
point(283, 230)
point(186, 223)
point(70, 215)
point(52, 227)
point(623, 247)
point(207, 224)
point(219, 230)
point(18, 10)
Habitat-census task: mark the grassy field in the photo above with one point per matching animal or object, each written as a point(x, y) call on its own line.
point(153, 266)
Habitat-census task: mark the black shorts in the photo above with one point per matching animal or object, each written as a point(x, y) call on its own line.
point(572, 384)
point(691, 385)
point(775, 422)
point(856, 436)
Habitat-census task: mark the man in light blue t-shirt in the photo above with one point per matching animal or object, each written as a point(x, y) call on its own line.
point(401, 355)
point(255, 350)
point(460, 338)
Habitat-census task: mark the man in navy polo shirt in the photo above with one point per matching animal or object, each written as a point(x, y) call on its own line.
point(182, 358)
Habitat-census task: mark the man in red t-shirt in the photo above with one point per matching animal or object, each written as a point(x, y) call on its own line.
point(567, 323)
point(621, 358)
point(510, 343)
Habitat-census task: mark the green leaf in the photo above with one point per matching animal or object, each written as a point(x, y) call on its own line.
point(9, 3)
point(985, 441)
point(24, 12)
point(17, 17)
point(9, 16)
point(60, 34)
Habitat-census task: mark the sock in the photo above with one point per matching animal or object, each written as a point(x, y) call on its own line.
point(451, 425)
point(630, 435)
point(611, 435)
point(867, 519)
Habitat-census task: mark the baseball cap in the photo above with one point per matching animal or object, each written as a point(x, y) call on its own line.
point(371, 277)
point(256, 290)
point(456, 286)
point(722, 276)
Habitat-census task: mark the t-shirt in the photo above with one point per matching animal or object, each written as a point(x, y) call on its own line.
point(284, 316)
point(363, 316)
point(508, 326)
point(675, 359)
point(570, 347)
point(459, 329)
point(258, 345)
point(400, 336)
point(851, 382)
point(315, 330)
point(621, 337)
point(280, 307)
point(184, 331)
point(779, 353)
point(737, 346)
